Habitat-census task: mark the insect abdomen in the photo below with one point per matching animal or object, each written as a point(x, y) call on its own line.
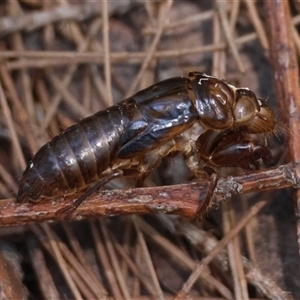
point(74, 158)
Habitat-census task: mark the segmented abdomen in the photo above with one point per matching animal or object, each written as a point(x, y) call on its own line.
point(74, 158)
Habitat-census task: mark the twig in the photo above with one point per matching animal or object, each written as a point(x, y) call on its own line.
point(134, 268)
point(68, 76)
point(113, 258)
point(61, 261)
point(67, 95)
point(221, 6)
point(184, 199)
point(106, 47)
point(11, 274)
point(286, 73)
point(207, 242)
point(44, 59)
point(216, 250)
point(153, 276)
point(46, 283)
point(253, 14)
point(104, 259)
point(234, 252)
point(35, 20)
point(183, 260)
point(9, 120)
point(150, 53)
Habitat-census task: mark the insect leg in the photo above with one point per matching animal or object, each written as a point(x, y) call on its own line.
point(203, 207)
point(192, 160)
point(69, 209)
point(232, 149)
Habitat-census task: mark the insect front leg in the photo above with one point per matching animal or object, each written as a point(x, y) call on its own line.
point(190, 153)
point(187, 146)
point(232, 149)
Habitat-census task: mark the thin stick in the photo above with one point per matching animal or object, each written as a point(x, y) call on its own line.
point(152, 48)
point(220, 246)
point(184, 199)
point(221, 5)
point(257, 24)
point(148, 261)
point(31, 21)
point(286, 72)
point(67, 78)
point(107, 70)
point(61, 262)
point(11, 127)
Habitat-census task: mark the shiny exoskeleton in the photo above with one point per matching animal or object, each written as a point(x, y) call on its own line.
point(201, 116)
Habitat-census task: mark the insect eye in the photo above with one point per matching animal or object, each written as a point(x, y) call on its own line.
point(245, 110)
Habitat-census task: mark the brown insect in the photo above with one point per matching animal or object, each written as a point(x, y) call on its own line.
point(201, 116)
